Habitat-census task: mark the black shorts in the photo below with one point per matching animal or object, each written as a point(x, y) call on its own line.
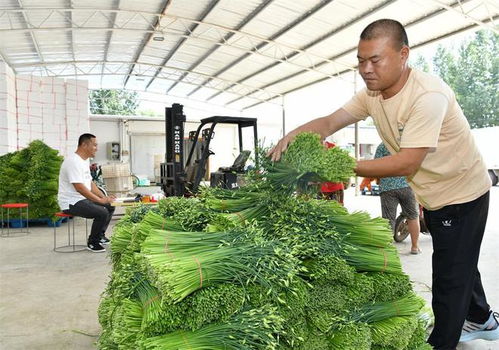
point(391, 199)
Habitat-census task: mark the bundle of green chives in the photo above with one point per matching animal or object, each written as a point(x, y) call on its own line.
point(150, 301)
point(284, 177)
point(180, 263)
point(350, 336)
point(122, 234)
point(406, 306)
point(358, 227)
point(389, 286)
point(179, 277)
point(395, 332)
point(252, 213)
point(307, 160)
point(157, 221)
point(232, 205)
point(249, 330)
point(127, 321)
point(373, 259)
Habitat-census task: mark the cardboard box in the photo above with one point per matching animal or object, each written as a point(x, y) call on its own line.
point(115, 170)
point(119, 184)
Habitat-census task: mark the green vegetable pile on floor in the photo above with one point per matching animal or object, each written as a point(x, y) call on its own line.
point(263, 267)
point(31, 176)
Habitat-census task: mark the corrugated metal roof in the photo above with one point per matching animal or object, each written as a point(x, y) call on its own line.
point(235, 52)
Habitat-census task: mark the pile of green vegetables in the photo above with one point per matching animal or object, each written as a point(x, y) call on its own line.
point(267, 266)
point(31, 176)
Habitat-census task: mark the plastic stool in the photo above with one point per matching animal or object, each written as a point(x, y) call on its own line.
point(19, 206)
point(71, 247)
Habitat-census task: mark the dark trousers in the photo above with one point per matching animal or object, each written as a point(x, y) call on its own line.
point(457, 231)
point(101, 214)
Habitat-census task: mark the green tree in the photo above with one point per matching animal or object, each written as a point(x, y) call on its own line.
point(114, 102)
point(420, 63)
point(473, 74)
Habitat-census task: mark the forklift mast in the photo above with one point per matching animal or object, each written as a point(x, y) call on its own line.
point(172, 171)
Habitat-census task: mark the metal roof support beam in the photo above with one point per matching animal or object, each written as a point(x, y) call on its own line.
point(314, 42)
point(205, 13)
point(459, 10)
point(278, 47)
point(112, 24)
point(491, 20)
point(353, 48)
point(143, 69)
point(229, 35)
point(33, 38)
point(146, 41)
point(70, 5)
point(287, 28)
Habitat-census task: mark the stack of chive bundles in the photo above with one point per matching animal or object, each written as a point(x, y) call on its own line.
point(262, 267)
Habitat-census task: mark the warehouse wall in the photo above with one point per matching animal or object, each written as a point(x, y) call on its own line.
point(49, 109)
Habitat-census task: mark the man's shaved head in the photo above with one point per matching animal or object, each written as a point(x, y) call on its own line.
point(383, 28)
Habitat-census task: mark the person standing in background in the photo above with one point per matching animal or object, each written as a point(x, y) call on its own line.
point(394, 191)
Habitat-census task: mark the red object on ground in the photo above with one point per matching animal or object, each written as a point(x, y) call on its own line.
point(63, 215)
point(15, 205)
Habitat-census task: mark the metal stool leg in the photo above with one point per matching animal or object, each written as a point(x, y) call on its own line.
point(8, 221)
point(27, 219)
point(71, 246)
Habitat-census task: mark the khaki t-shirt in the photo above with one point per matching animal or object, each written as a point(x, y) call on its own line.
point(425, 113)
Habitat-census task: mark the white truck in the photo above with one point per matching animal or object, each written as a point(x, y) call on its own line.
point(487, 140)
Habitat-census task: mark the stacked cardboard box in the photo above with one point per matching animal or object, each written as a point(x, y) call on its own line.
point(50, 109)
point(117, 178)
point(8, 110)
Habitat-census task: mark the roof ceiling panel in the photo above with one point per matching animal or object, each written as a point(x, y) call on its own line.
point(219, 50)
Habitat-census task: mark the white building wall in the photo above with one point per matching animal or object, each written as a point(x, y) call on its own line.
point(145, 142)
point(8, 110)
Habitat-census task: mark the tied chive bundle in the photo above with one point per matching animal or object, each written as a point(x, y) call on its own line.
point(395, 332)
point(181, 263)
point(407, 306)
point(252, 329)
point(373, 259)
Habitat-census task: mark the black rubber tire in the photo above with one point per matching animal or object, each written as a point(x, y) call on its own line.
point(493, 177)
point(400, 231)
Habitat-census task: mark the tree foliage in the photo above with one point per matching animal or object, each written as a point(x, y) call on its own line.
point(113, 102)
point(473, 74)
point(420, 63)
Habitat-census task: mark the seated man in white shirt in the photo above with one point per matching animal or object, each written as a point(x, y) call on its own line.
point(79, 196)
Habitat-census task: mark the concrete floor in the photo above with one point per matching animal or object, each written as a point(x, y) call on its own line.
point(49, 300)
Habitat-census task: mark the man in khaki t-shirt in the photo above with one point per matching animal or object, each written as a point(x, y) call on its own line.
point(419, 120)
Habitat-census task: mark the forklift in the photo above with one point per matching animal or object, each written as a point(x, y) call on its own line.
point(179, 178)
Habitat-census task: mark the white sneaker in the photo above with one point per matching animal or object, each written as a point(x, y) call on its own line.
point(487, 331)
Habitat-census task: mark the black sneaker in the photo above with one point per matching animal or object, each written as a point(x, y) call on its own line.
point(104, 240)
point(96, 248)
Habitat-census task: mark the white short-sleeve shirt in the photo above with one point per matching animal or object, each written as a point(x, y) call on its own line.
point(74, 169)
